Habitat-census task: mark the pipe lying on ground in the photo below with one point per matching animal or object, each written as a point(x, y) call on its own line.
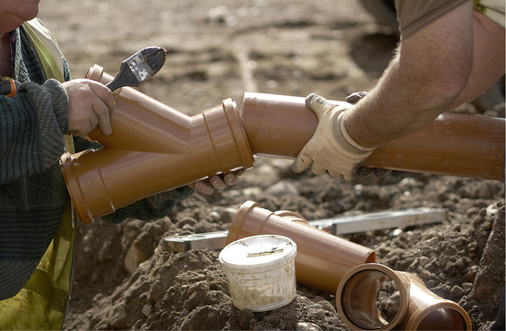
point(322, 259)
point(454, 144)
point(153, 148)
point(418, 308)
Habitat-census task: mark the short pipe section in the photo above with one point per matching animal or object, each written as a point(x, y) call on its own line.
point(454, 144)
point(322, 259)
point(152, 149)
point(359, 292)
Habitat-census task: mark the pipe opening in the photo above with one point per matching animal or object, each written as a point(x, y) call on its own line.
point(372, 300)
point(442, 319)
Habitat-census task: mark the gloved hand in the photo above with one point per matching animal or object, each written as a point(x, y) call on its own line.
point(208, 186)
point(330, 149)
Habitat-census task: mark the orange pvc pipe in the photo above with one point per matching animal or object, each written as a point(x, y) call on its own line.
point(153, 148)
point(454, 144)
point(322, 259)
point(419, 308)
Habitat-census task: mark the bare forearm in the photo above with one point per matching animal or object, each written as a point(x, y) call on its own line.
point(427, 76)
point(403, 102)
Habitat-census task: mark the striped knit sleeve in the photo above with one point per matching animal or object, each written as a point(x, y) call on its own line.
point(154, 207)
point(31, 128)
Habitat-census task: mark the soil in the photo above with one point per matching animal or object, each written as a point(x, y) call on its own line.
point(125, 278)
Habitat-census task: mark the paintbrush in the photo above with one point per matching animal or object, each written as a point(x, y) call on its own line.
point(139, 67)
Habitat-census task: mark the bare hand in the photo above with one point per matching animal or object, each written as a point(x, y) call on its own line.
point(90, 104)
point(208, 186)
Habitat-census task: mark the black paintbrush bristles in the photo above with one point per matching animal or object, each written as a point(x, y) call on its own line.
point(139, 67)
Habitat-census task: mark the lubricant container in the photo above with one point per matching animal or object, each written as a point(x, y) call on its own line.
point(260, 271)
point(322, 258)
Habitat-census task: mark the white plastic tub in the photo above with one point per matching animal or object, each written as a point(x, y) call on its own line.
point(260, 271)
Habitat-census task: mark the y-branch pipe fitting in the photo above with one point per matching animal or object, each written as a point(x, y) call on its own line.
point(454, 144)
point(153, 148)
point(418, 308)
point(322, 259)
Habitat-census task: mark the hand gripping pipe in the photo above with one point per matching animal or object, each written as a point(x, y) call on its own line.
point(322, 259)
point(418, 309)
point(153, 148)
point(454, 144)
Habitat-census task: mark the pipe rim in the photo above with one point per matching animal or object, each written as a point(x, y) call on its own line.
point(238, 220)
point(291, 216)
point(419, 316)
point(239, 133)
point(95, 73)
point(74, 189)
point(344, 293)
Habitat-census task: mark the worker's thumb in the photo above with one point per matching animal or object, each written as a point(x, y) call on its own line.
point(303, 161)
point(318, 104)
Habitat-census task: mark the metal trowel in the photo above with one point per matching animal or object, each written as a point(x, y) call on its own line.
point(139, 67)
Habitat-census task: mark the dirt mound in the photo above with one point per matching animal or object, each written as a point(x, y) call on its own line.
point(461, 259)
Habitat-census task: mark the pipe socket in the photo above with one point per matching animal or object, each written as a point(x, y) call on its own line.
point(322, 259)
point(417, 307)
point(454, 144)
point(153, 148)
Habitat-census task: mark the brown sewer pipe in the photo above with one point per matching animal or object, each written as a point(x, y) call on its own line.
point(454, 144)
point(419, 308)
point(322, 259)
point(153, 148)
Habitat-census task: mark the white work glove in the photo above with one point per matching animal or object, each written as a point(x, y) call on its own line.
point(330, 149)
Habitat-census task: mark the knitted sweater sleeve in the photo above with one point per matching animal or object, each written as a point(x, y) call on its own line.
point(31, 128)
point(151, 208)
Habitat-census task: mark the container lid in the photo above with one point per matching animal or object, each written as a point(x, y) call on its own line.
point(257, 251)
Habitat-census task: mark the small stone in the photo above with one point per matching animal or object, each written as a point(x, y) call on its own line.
point(336, 321)
point(252, 191)
point(282, 188)
point(424, 260)
point(147, 309)
point(468, 287)
point(456, 292)
point(305, 326)
point(407, 183)
point(327, 306)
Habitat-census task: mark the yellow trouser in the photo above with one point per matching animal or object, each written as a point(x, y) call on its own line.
point(42, 303)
